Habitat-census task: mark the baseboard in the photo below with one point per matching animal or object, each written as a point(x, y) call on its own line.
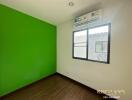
point(89, 88)
point(28, 85)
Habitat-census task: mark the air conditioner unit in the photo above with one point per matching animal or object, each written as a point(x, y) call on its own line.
point(89, 17)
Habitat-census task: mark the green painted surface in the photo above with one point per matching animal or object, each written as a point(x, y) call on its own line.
point(27, 50)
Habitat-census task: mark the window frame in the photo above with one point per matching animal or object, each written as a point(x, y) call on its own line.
point(87, 44)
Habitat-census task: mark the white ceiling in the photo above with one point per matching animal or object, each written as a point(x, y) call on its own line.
point(52, 11)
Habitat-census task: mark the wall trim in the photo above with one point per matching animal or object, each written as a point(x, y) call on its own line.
point(89, 88)
point(28, 85)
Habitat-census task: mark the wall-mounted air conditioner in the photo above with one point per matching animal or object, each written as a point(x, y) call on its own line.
point(89, 17)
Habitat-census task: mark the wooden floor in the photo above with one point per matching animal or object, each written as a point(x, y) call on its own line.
point(55, 87)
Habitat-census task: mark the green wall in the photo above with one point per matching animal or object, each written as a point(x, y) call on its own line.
point(27, 50)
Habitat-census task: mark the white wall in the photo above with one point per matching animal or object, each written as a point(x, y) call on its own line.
point(116, 75)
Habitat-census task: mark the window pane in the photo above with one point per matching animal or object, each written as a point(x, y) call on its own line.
point(80, 36)
point(80, 52)
point(80, 44)
point(98, 43)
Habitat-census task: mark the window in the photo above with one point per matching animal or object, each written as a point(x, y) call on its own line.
point(92, 44)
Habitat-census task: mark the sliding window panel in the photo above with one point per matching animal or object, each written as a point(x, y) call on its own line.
point(98, 43)
point(80, 44)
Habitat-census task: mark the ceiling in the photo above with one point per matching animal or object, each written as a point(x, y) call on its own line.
point(52, 11)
